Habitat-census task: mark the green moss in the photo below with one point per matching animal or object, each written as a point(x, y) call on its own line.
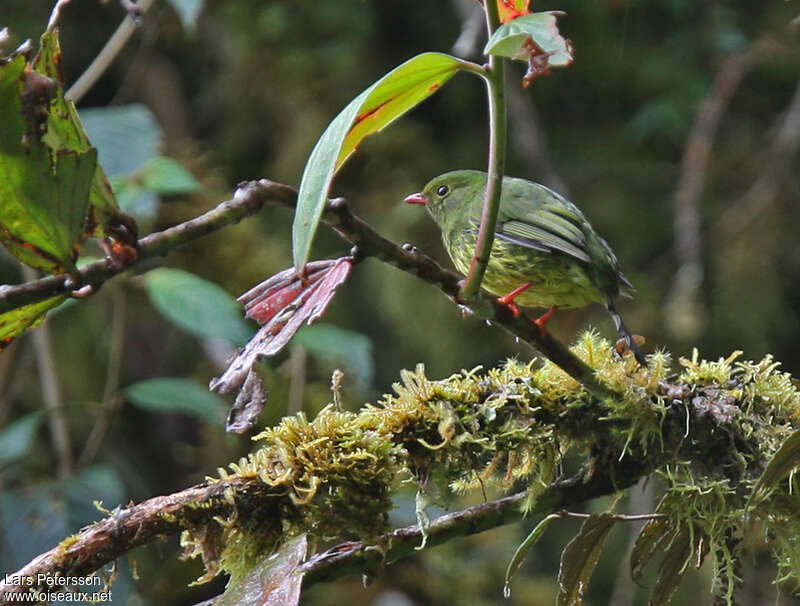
point(707, 431)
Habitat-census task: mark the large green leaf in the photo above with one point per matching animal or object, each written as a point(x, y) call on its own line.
point(650, 541)
point(128, 140)
point(15, 322)
point(126, 136)
point(66, 131)
point(512, 39)
point(579, 558)
point(173, 394)
point(18, 437)
point(197, 305)
point(524, 548)
point(782, 463)
point(676, 560)
point(44, 192)
point(379, 105)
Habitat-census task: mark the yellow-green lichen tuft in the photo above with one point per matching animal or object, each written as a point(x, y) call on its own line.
point(707, 431)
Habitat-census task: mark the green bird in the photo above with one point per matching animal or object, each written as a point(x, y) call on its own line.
point(545, 251)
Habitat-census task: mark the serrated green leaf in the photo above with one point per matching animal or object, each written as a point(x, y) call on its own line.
point(352, 349)
point(652, 537)
point(197, 305)
point(18, 437)
point(44, 193)
point(511, 39)
point(166, 176)
point(66, 131)
point(525, 547)
point(579, 558)
point(173, 394)
point(782, 463)
point(378, 106)
point(13, 323)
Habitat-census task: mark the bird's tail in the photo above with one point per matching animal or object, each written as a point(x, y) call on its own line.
point(626, 334)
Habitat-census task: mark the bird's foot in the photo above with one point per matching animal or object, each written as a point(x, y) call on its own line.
point(508, 300)
point(542, 320)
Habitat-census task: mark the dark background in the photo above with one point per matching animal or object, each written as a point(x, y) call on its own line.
point(246, 93)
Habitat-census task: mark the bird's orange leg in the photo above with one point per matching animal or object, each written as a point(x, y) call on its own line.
point(542, 320)
point(508, 300)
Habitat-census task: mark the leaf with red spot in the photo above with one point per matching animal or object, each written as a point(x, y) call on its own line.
point(512, 9)
point(49, 174)
point(282, 305)
point(385, 101)
point(65, 131)
point(44, 193)
point(15, 322)
point(533, 38)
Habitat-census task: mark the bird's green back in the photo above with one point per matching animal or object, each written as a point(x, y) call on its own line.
point(534, 223)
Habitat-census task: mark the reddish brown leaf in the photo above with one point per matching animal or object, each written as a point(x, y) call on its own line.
point(249, 402)
point(282, 305)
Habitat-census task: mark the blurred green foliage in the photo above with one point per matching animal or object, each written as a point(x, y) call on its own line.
point(245, 94)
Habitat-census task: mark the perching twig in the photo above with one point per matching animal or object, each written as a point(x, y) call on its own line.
point(156, 244)
point(251, 197)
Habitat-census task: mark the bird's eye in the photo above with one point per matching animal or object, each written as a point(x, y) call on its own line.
point(443, 190)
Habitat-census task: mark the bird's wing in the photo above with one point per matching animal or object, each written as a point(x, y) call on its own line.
point(548, 227)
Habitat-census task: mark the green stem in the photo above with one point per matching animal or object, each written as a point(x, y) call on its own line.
point(494, 74)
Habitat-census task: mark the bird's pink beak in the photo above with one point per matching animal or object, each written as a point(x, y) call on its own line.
point(417, 198)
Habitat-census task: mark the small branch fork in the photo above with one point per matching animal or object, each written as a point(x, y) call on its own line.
point(251, 197)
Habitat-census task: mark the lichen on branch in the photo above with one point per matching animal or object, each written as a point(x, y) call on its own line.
point(708, 431)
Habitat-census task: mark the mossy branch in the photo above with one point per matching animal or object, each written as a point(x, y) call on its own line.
point(708, 432)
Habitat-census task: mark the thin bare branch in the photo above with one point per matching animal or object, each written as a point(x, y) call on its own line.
point(763, 193)
point(51, 394)
point(694, 167)
point(109, 52)
point(251, 197)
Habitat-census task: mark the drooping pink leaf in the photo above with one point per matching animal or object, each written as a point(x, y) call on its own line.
point(282, 305)
point(248, 405)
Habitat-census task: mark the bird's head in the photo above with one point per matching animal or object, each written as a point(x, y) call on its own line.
point(450, 195)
